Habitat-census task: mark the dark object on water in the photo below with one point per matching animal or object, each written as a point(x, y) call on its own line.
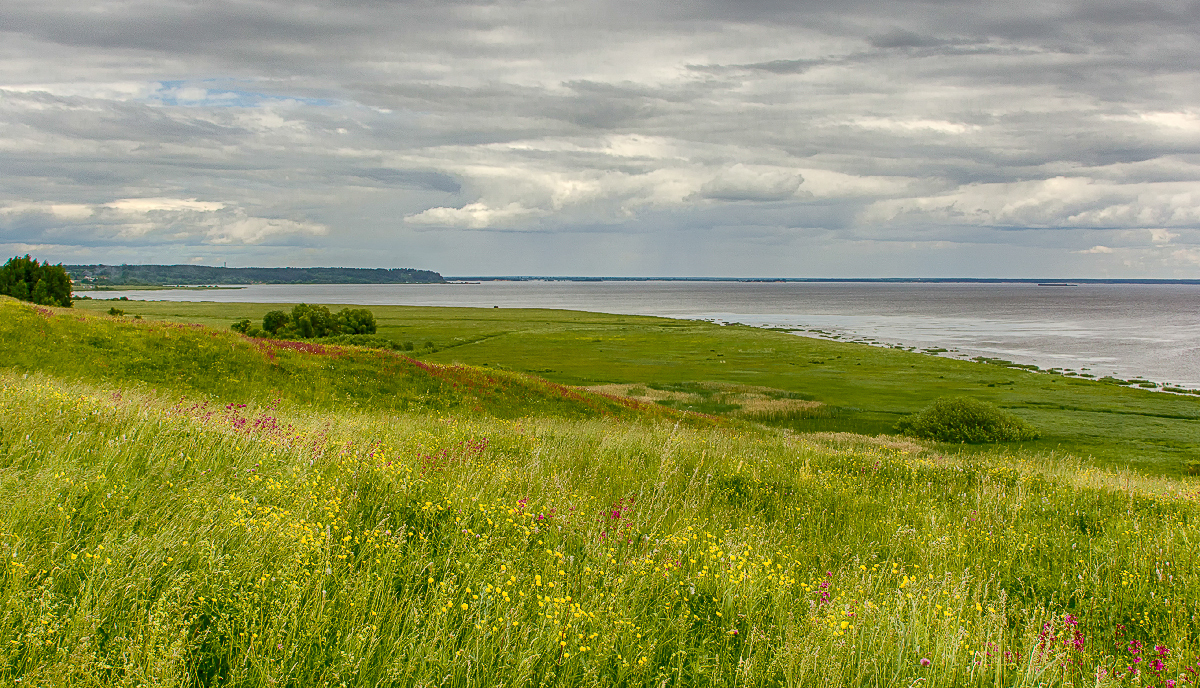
point(1056, 284)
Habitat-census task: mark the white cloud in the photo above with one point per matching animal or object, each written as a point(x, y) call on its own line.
point(113, 90)
point(147, 205)
point(180, 219)
point(255, 230)
point(752, 183)
point(911, 125)
point(1182, 121)
point(474, 216)
point(1187, 256)
point(1097, 249)
point(62, 211)
point(1057, 202)
point(1159, 235)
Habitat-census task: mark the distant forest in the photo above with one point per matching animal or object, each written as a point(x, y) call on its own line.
point(204, 274)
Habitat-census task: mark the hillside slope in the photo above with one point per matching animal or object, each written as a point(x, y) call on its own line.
point(148, 542)
point(197, 360)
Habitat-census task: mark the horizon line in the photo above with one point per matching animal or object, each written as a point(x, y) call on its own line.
point(1053, 281)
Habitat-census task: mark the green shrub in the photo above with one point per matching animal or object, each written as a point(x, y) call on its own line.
point(41, 283)
point(1191, 467)
point(116, 311)
point(963, 419)
point(242, 326)
point(274, 321)
point(355, 321)
point(365, 340)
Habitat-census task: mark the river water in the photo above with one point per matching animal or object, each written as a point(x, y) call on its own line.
point(1150, 331)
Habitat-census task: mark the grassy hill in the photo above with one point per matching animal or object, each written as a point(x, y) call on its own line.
point(197, 360)
point(160, 526)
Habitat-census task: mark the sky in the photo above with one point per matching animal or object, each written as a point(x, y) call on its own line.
point(757, 138)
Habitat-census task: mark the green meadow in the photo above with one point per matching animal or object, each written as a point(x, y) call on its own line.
point(547, 498)
point(862, 389)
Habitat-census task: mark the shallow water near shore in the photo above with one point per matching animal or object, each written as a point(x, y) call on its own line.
point(1149, 331)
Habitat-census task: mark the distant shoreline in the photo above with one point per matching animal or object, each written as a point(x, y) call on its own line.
point(1037, 281)
point(149, 287)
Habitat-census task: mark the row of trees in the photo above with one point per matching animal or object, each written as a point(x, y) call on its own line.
point(308, 322)
point(41, 283)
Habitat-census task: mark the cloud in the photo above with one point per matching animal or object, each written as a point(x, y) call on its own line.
point(383, 133)
point(912, 125)
point(147, 205)
point(900, 38)
point(157, 219)
point(62, 211)
point(1158, 235)
point(748, 183)
point(1051, 203)
point(1097, 249)
point(474, 216)
point(240, 229)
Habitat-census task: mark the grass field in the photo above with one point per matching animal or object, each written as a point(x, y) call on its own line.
point(328, 516)
point(864, 389)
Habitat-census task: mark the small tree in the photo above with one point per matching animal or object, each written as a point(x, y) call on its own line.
point(356, 321)
point(41, 283)
point(314, 321)
point(275, 321)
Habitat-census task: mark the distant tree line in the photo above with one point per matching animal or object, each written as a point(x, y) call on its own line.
point(41, 283)
point(205, 274)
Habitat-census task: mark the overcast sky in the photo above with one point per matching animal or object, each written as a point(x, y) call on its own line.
point(607, 137)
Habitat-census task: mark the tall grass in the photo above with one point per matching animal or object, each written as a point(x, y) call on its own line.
point(201, 361)
point(152, 541)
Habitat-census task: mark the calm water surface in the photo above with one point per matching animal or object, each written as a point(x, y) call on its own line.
point(1150, 331)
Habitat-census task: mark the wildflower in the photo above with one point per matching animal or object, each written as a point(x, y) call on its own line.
point(925, 661)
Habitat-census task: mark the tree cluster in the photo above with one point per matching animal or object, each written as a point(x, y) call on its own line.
point(41, 283)
point(310, 322)
point(204, 274)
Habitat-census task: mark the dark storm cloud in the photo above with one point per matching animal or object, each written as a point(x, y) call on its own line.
point(257, 131)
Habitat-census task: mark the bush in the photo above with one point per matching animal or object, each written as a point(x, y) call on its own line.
point(962, 419)
point(365, 340)
point(356, 321)
point(311, 322)
point(116, 311)
point(41, 283)
point(275, 321)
